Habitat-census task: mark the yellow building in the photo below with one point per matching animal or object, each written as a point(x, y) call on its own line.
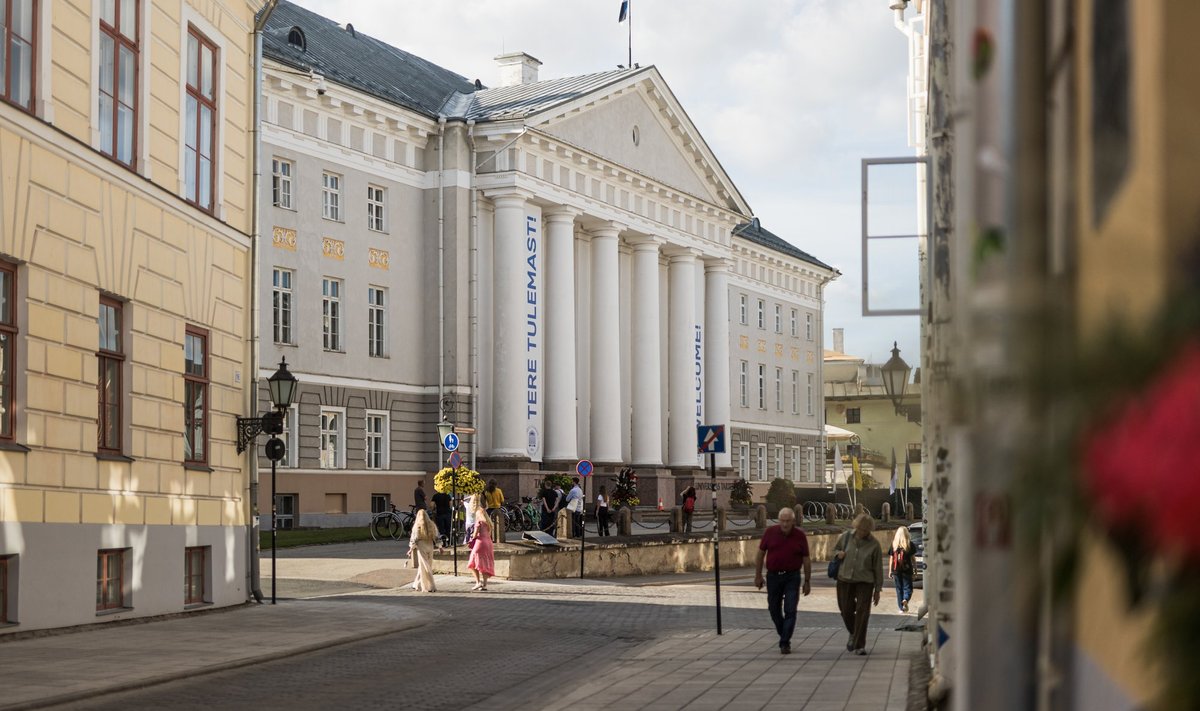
point(125, 215)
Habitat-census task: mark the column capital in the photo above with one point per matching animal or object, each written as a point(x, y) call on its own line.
point(510, 193)
point(560, 213)
point(717, 264)
point(645, 243)
point(681, 254)
point(606, 230)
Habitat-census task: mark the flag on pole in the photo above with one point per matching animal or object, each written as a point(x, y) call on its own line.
point(892, 490)
point(854, 466)
point(839, 474)
point(624, 11)
point(907, 477)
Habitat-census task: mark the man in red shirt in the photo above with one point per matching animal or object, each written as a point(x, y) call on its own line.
point(784, 548)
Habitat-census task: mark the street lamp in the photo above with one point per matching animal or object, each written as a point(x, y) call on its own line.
point(282, 387)
point(895, 382)
point(445, 428)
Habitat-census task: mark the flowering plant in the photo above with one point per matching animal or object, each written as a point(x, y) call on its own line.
point(469, 481)
point(624, 491)
point(741, 493)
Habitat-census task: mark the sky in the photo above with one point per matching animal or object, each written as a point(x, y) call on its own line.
point(790, 95)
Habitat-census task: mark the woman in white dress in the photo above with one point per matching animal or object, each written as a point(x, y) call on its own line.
point(420, 549)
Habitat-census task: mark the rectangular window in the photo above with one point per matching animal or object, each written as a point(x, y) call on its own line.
point(281, 305)
point(795, 464)
point(779, 389)
point(762, 386)
point(377, 440)
point(914, 453)
point(810, 464)
point(285, 511)
point(333, 450)
point(743, 381)
point(195, 574)
point(8, 349)
point(761, 470)
point(331, 314)
point(853, 415)
point(111, 358)
point(376, 321)
point(331, 196)
point(793, 323)
point(778, 318)
point(810, 393)
point(18, 47)
point(199, 156)
point(744, 461)
point(380, 502)
point(808, 326)
point(290, 437)
point(779, 461)
point(119, 78)
point(281, 183)
point(796, 392)
point(110, 579)
point(762, 313)
point(743, 310)
point(376, 209)
point(195, 396)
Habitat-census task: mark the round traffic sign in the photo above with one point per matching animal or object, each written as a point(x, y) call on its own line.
point(584, 467)
point(450, 442)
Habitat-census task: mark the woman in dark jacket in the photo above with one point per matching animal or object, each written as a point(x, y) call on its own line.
point(900, 567)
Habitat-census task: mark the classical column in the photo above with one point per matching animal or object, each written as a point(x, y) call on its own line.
point(647, 347)
point(562, 442)
point(681, 377)
point(606, 347)
point(509, 381)
point(716, 351)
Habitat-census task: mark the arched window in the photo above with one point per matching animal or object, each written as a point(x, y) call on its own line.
point(296, 38)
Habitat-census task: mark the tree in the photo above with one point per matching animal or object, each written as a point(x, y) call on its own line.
point(781, 494)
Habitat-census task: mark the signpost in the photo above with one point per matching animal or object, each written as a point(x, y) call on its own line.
point(710, 440)
point(584, 469)
point(450, 442)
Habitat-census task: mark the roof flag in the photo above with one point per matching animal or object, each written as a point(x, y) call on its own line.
point(892, 490)
point(624, 11)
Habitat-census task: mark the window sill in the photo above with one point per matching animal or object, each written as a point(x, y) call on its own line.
point(197, 605)
point(289, 208)
point(113, 611)
point(382, 357)
point(12, 447)
point(334, 350)
point(286, 345)
point(190, 466)
point(109, 457)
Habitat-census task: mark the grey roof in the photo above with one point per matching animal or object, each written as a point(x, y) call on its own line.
point(760, 235)
point(510, 102)
point(360, 61)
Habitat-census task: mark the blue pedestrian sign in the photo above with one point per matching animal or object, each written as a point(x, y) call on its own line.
point(450, 442)
point(584, 467)
point(711, 439)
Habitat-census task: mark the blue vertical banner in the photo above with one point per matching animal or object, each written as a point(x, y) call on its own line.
point(535, 340)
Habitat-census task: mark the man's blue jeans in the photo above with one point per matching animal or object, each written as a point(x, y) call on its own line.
point(783, 593)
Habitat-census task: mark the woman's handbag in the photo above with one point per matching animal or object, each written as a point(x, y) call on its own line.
point(834, 566)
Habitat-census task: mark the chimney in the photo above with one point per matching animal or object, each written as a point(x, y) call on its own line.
point(839, 340)
point(517, 68)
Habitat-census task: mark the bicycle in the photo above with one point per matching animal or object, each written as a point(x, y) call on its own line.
point(392, 523)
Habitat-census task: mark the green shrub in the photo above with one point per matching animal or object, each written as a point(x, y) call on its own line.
point(781, 494)
point(740, 493)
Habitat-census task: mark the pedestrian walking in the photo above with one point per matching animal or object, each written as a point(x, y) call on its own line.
point(689, 507)
point(784, 549)
point(859, 580)
point(493, 497)
point(419, 497)
point(602, 511)
point(575, 506)
point(900, 566)
point(420, 550)
point(483, 556)
point(443, 514)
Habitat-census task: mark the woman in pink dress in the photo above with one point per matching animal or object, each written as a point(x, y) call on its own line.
point(483, 560)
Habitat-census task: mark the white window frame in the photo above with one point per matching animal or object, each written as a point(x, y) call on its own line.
point(744, 382)
point(377, 321)
point(811, 465)
point(778, 318)
point(383, 437)
point(281, 332)
point(795, 463)
point(331, 314)
point(779, 389)
point(779, 461)
point(810, 393)
point(744, 309)
point(339, 443)
point(762, 386)
point(281, 182)
point(762, 314)
point(808, 326)
point(290, 437)
point(744, 460)
point(794, 324)
point(376, 208)
point(760, 469)
point(796, 392)
point(331, 196)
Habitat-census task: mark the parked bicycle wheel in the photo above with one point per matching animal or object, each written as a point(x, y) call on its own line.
point(405, 525)
point(385, 527)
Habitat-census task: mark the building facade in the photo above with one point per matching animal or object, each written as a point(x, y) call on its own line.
point(547, 262)
point(125, 216)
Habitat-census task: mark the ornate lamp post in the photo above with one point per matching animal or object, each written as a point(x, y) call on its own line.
point(895, 382)
point(444, 428)
point(282, 386)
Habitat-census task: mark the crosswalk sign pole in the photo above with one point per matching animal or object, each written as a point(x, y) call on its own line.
point(712, 475)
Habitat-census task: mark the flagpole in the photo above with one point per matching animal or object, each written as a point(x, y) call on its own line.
point(630, 19)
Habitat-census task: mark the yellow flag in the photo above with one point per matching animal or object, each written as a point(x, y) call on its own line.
point(857, 473)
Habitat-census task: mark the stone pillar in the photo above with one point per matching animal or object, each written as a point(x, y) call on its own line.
point(624, 521)
point(647, 347)
point(510, 363)
point(716, 353)
point(760, 516)
point(681, 434)
point(722, 518)
point(676, 520)
point(562, 443)
point(606, 347)
point(830, 513)
point(886, 514)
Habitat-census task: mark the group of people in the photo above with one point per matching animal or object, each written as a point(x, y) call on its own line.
point(552, 499)
point(428, 534)
point(784, 551)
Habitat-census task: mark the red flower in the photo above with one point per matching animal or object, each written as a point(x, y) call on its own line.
point(1141, 466)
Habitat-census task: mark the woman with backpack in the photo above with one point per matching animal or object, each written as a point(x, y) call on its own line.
point(689, 507)
point(900, 567)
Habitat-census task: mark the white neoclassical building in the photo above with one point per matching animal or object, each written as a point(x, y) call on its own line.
point(550, 262)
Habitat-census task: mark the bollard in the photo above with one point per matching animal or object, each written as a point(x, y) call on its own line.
point(676, 519)
point(722, 524)
point(624, 521)
point(760, 516)
point(859, 509)
point(564, 525)
point(886, 514)
point(908, 511)
point(498, 528)
point(830, 514)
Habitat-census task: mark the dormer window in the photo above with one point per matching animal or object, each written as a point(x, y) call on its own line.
point(296, 38)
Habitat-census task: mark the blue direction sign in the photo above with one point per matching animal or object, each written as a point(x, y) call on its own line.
point(450, 442)
point(455, 460)
point(710, 438)
point(584, 467)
